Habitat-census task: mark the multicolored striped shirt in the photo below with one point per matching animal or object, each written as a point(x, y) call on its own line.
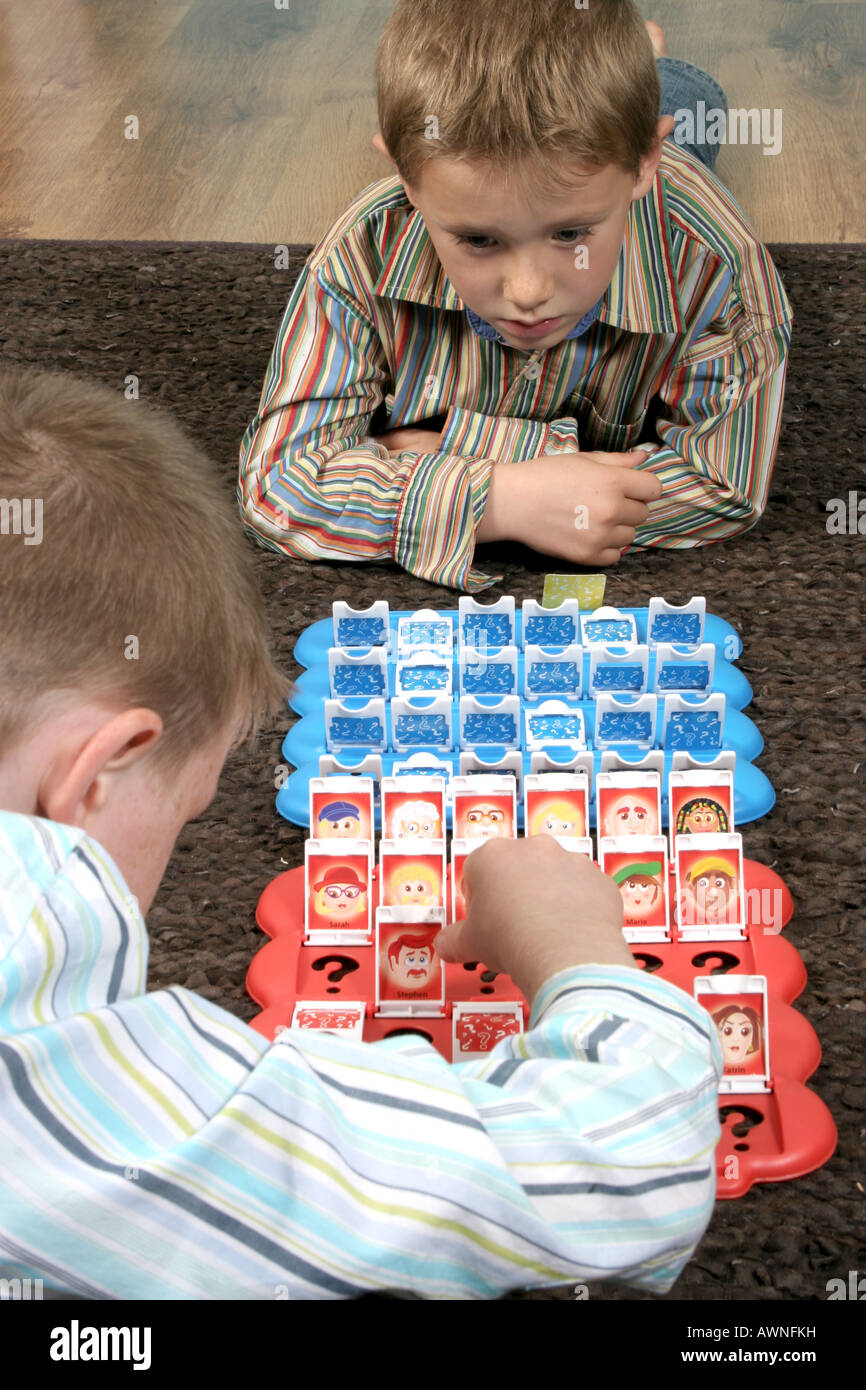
point(688, 348)
point(153, 1146)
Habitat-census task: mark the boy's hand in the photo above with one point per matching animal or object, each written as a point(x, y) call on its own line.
point(425, 441)
point(584, 507)
point(534, 908)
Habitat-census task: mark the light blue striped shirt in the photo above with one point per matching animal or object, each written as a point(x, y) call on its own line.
point(153, 1146)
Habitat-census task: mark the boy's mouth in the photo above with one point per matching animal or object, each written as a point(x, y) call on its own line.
point(539, 329)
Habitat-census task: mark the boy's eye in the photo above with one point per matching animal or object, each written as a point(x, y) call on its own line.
point(568, 236)
point(477, 243)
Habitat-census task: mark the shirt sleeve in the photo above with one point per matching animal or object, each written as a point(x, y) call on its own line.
point(718, 427)
point(159, 1148)
point(314, 485)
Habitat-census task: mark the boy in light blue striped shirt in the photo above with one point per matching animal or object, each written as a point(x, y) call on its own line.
point(152, 1145)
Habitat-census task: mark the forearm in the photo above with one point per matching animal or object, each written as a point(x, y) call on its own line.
point(717, 445)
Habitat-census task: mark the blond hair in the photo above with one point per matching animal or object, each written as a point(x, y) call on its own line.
point(527, 86)
point(140, 588)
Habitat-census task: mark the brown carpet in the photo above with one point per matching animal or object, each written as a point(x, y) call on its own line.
point(196, 324)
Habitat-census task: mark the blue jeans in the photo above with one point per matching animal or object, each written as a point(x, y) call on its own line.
point(683, 86)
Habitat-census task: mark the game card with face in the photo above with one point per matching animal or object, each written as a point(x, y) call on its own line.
point(710, 904)
point(346, 1018)
point(628, 803)
point(411, 875)
point(485, 808)
point(638, 865)
point(341, 808)
point(556, 804)
point(337, 891)
point(738, 1007)
point(477, 1028)
point(410, 977)
point(701, 803)
point(413, 808)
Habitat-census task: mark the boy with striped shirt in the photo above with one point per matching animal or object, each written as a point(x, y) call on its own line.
point(154, 1146)
point(545, 284)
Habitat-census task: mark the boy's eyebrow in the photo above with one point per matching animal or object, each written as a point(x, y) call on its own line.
point(586, 220)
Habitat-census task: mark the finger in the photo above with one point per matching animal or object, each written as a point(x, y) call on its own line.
point(631, 513)
point(622, 536)
point(643, 486)
point(608, 556)
point(448, 943)
point(630, 459)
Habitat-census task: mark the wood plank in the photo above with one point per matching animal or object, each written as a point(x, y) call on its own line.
point(255, 122)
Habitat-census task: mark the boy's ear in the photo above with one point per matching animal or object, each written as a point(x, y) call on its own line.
point(379, 144)
point(649, 165)
point(79, 785)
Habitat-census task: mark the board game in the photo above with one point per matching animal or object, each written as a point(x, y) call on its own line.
point(353, 929)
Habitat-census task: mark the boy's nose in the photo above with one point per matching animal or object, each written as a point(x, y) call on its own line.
point(528, 288)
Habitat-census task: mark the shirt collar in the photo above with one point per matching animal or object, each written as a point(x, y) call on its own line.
point(640, 298)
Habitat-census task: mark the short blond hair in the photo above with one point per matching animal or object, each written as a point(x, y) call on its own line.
point(527, 86)
point(140, 588)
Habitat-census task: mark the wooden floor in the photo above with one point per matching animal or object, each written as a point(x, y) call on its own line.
point(254, 123)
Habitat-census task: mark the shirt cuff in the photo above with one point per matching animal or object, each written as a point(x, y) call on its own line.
point(631, 990)
point(446, 492)
point(434, 534)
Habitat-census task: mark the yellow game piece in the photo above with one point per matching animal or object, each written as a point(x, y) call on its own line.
point(588, 589)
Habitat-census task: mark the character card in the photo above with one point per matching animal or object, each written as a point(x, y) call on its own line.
point(628, 803)
point(700, 803)
point(738, 1006)
point(556, 804)
point(413, 808)
point(485, 808)
point(410, 977)
point(411, 875)
point(477, 1028)
point(337, 892)
point(347, 1017)
point(710, 900)
point(341, 808)
point(638, 865)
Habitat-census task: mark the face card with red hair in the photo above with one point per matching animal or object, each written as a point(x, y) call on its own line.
point(410, 977)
